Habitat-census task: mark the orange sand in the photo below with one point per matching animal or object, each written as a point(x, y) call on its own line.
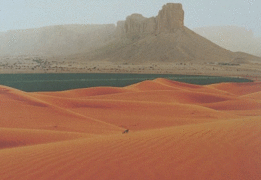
point(177, 131)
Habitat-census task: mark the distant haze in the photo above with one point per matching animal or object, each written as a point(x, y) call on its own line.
point(24, 14)
point(108, 41)
point(233, 38)
point(55, 40)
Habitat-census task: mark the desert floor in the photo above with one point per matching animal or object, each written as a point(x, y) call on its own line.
point(24, 64)
point(176, 131)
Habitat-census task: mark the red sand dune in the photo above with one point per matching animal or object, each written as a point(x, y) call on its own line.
point(239, 104)
point(238, 88)
point(21, 110)
point(79, 93)
point(171, 96)
point(12, 137)
point(177, 131)
point(255, 96)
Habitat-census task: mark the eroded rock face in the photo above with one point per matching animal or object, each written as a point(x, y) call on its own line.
point(120, 30)
point(134, 23)
point(170, 18)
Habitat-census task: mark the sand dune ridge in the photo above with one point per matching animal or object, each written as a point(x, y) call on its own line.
point(176, 131)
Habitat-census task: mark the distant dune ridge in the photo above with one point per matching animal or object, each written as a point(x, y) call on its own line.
point(136, 40)
point(175, 131)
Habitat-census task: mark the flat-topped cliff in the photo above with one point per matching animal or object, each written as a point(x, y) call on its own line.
point(136, 40)
point(169, 19)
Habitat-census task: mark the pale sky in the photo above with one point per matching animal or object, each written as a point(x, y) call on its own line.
point(23, 14)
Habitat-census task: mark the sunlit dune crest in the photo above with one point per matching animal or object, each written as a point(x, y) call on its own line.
point(256, 96)
point(239, 88)
point(80, 93)
point(176, 131)
point(241, 104)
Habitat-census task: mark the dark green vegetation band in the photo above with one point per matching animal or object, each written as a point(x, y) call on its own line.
point(59, 82)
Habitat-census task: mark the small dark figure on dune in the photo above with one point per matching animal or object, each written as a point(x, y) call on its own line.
point(126, 131)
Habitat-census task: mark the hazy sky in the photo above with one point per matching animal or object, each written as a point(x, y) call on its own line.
point(23, 14)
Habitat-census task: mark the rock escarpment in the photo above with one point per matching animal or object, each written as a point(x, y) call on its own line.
point(170, 18)
point(163, 39)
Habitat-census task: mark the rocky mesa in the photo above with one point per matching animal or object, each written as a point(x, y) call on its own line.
point(136, 40)
point(163, 39)
point(169, 19)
